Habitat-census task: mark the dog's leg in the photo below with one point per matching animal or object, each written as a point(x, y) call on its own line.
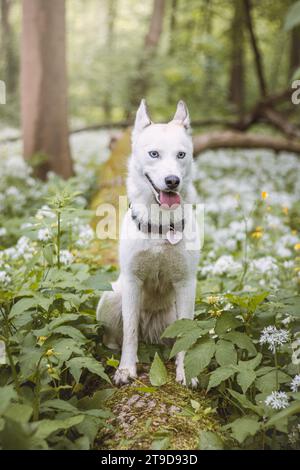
point(185, 302)
point(131, 300)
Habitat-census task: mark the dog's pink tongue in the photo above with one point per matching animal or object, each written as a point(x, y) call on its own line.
point(169, 198)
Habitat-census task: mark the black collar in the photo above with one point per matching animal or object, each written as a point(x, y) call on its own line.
point(160, 229)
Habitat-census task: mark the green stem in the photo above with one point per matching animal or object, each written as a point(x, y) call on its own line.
point(58, 239)
point(13, 368)
point(276, 366)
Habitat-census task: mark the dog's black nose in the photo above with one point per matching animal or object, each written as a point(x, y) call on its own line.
point(172, 181)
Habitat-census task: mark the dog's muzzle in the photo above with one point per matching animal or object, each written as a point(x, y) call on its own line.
point(168, 199)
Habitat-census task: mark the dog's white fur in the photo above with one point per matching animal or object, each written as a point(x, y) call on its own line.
point(157, 281)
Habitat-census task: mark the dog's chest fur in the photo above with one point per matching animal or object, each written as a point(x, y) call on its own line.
point(159, 264)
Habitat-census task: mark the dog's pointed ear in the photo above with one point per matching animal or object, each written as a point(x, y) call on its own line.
point(142, 118)
point(182, 114)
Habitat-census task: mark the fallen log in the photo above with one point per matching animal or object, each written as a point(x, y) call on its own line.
point(235, 139)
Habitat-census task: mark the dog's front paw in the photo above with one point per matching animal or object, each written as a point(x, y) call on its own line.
point(124, 374)
point(180, 378)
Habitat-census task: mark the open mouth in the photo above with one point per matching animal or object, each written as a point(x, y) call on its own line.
point(164, 198)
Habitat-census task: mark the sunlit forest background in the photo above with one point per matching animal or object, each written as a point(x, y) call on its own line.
point(202, 53)
point(75, 72)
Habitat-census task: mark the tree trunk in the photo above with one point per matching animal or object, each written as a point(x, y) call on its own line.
point(173, 24)
point(208, 89)
point(140, 85)
point(295, 51)
point(237, 72)
point(255, 48)
point(109, 43)
point(9, 59)
point(44, 86)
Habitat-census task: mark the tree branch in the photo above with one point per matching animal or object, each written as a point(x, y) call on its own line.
point(235, 139)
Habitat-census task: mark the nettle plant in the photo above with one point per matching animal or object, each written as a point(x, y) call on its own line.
point(48, 333)
point(249, 363)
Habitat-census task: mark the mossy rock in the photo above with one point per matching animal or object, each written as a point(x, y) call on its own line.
point(166, 417)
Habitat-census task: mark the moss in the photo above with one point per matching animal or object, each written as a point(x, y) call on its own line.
point(170, 416)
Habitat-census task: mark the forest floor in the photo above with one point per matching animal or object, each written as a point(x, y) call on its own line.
point(171, 416)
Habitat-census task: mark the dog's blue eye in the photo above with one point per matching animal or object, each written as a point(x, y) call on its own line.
point(154, 154)
point(180, 154)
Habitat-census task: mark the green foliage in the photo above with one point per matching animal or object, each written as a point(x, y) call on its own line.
point(221, 350)
point(292, 18)
point(158, 372)
point(50, 336)
point(209, 440)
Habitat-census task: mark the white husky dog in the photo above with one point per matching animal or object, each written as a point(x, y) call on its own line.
point(157, 281)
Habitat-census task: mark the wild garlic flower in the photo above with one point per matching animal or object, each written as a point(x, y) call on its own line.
point(44, 234)
point(277, 400)
point(295, 383)
point(66, 257)
point(4, 278)
point(273, 337)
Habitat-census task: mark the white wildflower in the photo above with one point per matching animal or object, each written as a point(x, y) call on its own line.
point(45, 211)
point(224, 265)
point(266, 264)
point(296, 351)
point(85, 236)
point(44, 234)
point(12, 191)
point(66, 257)
point(2, 352)
point(273, 337)
point(295, 383)
point(4, 278)
point(3, 231)
point(287, 320)
point(277, 400)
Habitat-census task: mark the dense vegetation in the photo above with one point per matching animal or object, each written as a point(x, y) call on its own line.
point(243, 342)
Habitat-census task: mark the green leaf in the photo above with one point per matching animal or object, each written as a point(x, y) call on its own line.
point(161, 440)
point(19, 413)
point(244, 427)
point(225, 322)
point(209, 440)
point(179, 327)
point(247, 404)
point(225, 353)
point(22, 305)
point(158, 372)
point(48, 254)
point(252, 364)
point(219, 375)
point(245, 378)
point(185, 342)
point(267, 382)
point(292, 18)
point(97, 400)
point(71, 332)
point(77, 364)
point(198, 357)
point(7, 394)
point(293, 409)
point(99, 281)
point(64, 348)
point(48, 426)
point(20, 436)
point(59, 405)
point(241, 340)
